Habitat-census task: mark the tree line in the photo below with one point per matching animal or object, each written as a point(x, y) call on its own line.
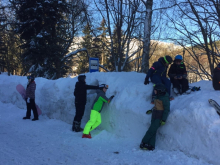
point(42, 37)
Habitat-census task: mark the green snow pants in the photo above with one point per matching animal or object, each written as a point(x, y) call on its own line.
point(150, 136)
point(95, 121)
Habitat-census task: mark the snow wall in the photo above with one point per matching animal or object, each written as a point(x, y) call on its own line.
point(192, 127)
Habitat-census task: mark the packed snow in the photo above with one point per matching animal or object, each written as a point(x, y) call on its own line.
point(190, 136)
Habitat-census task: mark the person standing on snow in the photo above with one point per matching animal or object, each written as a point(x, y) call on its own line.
point(30, 98)
point(160, 113)
point(178, 76)
point(80, 93)
point(157, 74)
point(95, 116)
point(216, 78)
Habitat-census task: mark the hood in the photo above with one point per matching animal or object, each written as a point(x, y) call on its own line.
point(161, 60)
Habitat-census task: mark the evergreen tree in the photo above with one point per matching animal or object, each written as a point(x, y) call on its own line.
point(103, 44)
point(3, 48)
point(93, 48)
point(83, 66)
point(9, 57)
point(44, 32)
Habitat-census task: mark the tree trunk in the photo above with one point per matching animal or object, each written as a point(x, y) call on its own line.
point(147, 34)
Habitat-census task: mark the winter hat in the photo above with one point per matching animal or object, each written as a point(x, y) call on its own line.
point(160, 88)
point(168, 59)
point(81, 78)
point(103, 86)
point(30, 77)
point(178, 57)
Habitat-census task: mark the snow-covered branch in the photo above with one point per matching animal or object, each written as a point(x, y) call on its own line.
point(70, 55)
point(101, 66)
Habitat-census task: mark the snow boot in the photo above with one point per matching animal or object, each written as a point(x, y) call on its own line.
point(171, 98)
point(87, 136)
point(145, 146)
point(176, 91)
point(34, 119)
point(188, 91)
point(76, 127)
point(26, 118)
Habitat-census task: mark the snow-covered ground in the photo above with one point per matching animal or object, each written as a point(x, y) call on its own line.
point(191, 134)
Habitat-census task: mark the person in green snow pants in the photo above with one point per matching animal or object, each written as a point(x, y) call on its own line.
point(160, 113)
point(95, 116)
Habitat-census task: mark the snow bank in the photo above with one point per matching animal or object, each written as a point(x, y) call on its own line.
point(193, 125)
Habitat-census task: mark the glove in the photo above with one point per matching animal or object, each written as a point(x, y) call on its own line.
point(146, 81)
point(149, 112)
point(112, 97)
point(162, 122)
point(28, 100)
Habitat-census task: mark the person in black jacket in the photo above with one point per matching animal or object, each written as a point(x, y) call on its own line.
point(80, 94)
point(178, 76)
point(216, 78)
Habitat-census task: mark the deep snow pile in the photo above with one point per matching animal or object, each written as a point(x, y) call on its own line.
point(50, 142)
point(192, 127)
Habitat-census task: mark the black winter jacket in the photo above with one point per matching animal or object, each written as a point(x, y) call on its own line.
point(80, 92)
point(158, 68)
point(216, 78)
point(30, 90)
point(177, 70)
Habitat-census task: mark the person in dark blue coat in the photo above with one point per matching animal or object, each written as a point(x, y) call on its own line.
point(157, 73)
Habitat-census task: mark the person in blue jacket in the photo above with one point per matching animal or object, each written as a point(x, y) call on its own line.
point(157, 73)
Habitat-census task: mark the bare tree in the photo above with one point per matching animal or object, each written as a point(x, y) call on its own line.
point(147, 35)
point(122, 19)
point(196, 24)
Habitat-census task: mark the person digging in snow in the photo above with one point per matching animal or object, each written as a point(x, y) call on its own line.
point(178, 76)
point(216, 78)
point(80, 93)
point(95, 116)
point(160, 113)
point(157, 74)
point(30, 98)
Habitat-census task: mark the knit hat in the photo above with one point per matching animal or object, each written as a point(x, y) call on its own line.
point(168, 59)
point(81, 77)
point(30, 77)
point(160, 88)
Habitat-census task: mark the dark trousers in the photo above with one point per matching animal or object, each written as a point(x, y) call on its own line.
point(32, 106)
point(150, 136)
point(156, 79)
point(80, 109)
point(181, 84)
